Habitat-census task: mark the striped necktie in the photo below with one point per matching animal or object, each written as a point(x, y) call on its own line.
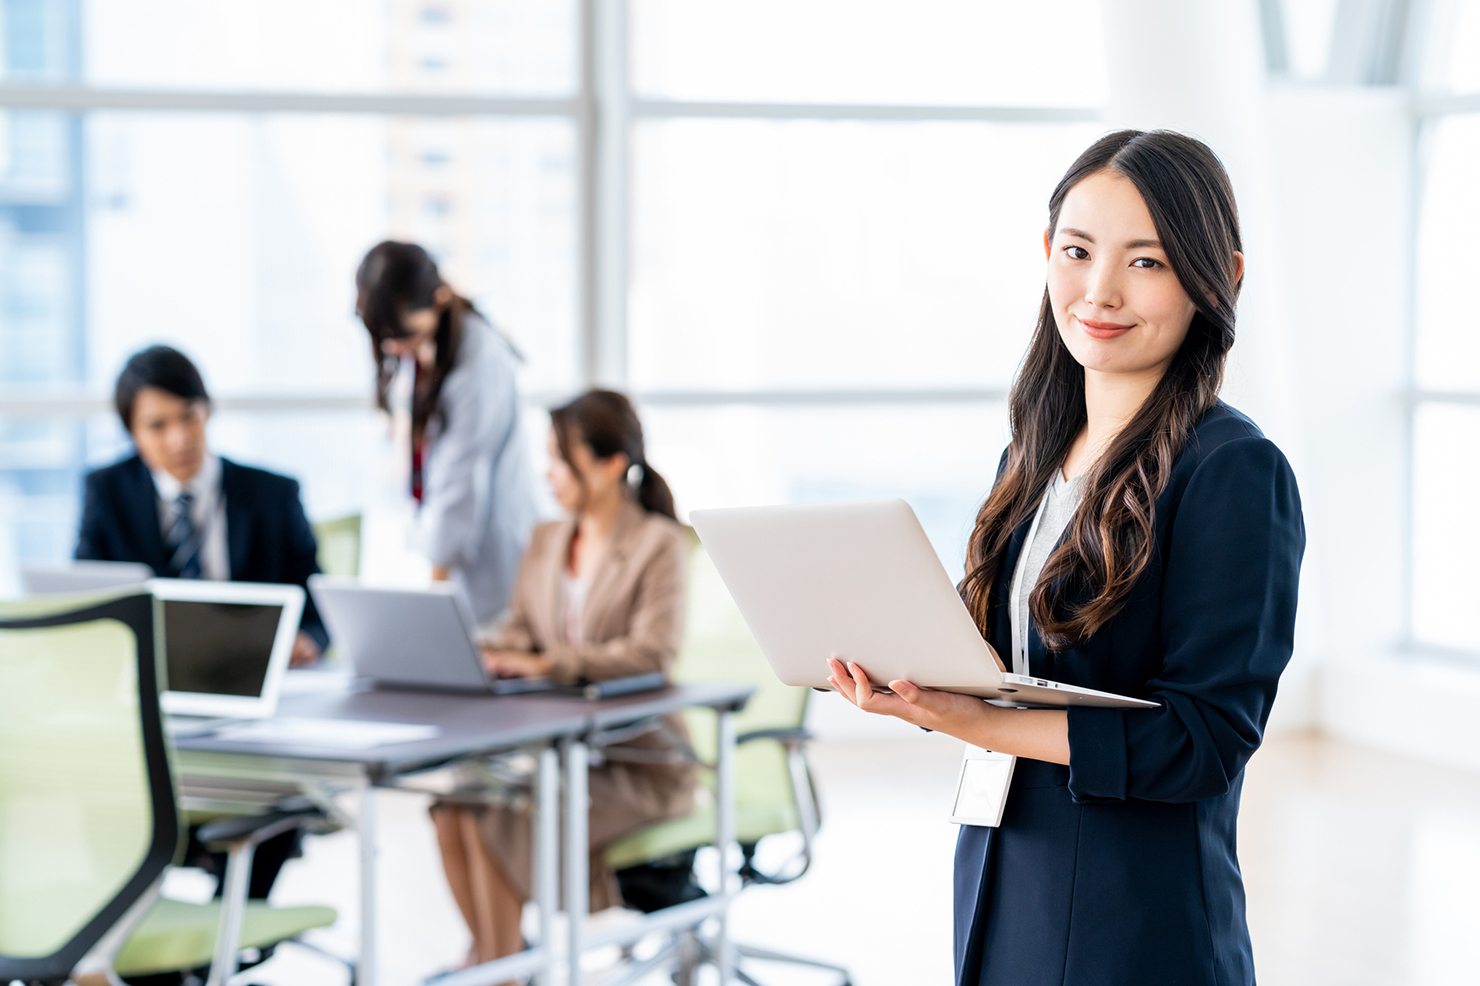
point(183, 542)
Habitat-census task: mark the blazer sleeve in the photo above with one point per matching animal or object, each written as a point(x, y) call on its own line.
point(480, 409)
point(1227, 627)
point(301, 558)
point(654, 633)
point(91, 536)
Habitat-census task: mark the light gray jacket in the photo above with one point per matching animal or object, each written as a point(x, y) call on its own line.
point(478, 492)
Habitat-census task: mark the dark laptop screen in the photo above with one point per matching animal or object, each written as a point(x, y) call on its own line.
point(218, 648)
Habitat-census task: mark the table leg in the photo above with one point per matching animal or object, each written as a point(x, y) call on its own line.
point(577, 853)
point(547, 857)
point(367, 971)
point(724, 959)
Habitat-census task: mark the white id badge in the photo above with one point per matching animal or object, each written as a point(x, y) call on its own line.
point(981, 791)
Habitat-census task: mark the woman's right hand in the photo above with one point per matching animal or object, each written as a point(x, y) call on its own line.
point(928, 708)
point(515, 664)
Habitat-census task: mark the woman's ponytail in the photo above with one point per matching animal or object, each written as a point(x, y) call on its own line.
point(653, 493)
point(606, 421)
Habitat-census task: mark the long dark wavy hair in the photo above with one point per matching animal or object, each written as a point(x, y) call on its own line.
point(606, 421)
point(1110, 540)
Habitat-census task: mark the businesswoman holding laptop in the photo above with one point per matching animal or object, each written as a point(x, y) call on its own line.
point(600, 595)
point(1142, 538)
point(470, 469)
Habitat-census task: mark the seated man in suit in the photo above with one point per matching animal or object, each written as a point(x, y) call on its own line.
point(190, 514)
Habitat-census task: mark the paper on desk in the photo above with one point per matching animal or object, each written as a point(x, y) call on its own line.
point(303, 681)
point(341, 734)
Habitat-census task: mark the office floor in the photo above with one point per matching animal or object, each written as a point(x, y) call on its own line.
point(1362, 869)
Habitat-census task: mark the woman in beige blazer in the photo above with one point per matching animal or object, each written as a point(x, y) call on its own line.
point(599, 595)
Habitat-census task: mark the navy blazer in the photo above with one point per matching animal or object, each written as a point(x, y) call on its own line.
point(268, 537)
point(1121, 868)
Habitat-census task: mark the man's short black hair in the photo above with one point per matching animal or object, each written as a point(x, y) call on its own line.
point(158, 366)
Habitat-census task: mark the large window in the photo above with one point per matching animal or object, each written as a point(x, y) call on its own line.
point(1446, 363)
point(838, 254)
point(803, 235)
point(835, 238)
point(1431, 52)
point(207, 174)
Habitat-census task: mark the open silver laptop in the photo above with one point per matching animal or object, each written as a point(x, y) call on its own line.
point(410, 638)
point(82, 576)
point(227, 646)
point(860, 581)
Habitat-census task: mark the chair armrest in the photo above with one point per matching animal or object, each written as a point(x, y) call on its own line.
point(607, 744)
point(622, 734)
point(787, 737)
point(258, 828)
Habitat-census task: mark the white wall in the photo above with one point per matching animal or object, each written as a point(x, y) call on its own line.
point(1341, 159)
point(1343, 163)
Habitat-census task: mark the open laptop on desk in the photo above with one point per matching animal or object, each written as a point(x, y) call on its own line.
point(82, 576)
point(428, 639)
point(410, 638)
point(227, 646)
point(860, 581)
point(227, 649)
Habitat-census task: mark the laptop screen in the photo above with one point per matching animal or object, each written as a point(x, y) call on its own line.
point(217, 648)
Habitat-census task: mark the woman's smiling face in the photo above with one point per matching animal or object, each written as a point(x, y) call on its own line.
point(1117, 303)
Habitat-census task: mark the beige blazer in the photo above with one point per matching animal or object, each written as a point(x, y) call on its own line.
point(632, 621)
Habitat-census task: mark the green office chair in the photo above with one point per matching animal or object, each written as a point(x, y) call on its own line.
point(339, 545)
point(774, 793)
point(339, 555)
point(88, 819)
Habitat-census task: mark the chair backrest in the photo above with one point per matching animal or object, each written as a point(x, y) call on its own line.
point(87, 811)
point(339, 546)
point(718, 646)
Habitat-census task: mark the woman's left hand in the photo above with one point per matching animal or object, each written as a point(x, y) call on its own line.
point(946, 712)
point(513, 664)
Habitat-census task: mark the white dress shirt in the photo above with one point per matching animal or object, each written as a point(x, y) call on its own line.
point(207, 512)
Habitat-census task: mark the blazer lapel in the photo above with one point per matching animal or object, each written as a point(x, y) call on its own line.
point(141, 509)
point(238, 520)
point(550, 620)
point(606, 576)
point(1001, 615)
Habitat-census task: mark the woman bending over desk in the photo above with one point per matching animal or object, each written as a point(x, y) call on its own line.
point(449, 374)
point(599, 595)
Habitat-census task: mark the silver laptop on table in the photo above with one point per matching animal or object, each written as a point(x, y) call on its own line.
point(861, 582)
point(410, 638)
point(82, 576)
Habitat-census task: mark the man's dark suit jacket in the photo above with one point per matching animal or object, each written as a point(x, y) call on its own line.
point(268, 538)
